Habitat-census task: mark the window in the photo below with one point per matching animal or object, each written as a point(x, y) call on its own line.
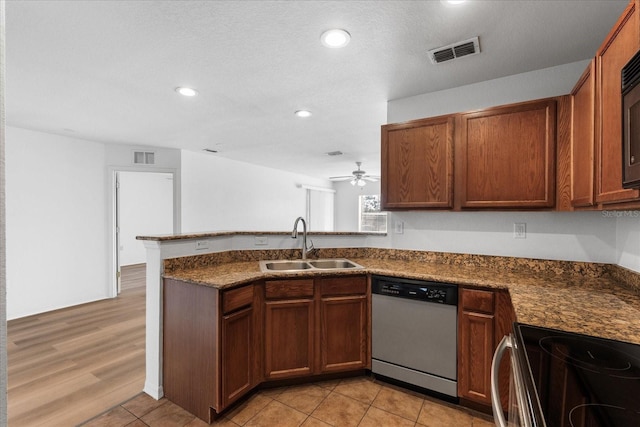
point(371, 219)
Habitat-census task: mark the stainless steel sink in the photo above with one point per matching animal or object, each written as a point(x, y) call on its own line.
point(333, 263)
point(287, 265)
point(284, 266)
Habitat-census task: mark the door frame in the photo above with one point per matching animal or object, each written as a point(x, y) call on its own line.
point(113, 265)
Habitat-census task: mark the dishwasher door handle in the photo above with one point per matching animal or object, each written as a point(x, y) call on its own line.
point(498, 414)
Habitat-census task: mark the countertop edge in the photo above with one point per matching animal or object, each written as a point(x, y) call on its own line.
point(203, 235)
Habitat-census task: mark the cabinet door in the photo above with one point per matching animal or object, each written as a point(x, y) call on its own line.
point(475, 354)
point(237, 352)
point(344, 333)
point(505, 157)
point(417, 164)
point(583, 112)
point(289, 337)
point(621, 44)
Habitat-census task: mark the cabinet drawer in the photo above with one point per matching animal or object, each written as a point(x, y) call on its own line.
point(289, 288)
point(343, 285)
point(477, 300)
point(234, 299)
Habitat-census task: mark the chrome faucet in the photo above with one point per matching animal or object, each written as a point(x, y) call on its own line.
point(294, 235)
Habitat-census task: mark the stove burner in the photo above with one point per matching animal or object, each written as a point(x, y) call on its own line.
point(592, 356)
point(603, 415)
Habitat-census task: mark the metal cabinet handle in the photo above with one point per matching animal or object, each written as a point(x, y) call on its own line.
point(498, 415)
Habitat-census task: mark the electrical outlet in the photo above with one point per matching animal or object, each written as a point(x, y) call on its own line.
point(399, 227)
point(519, 230)
point(202, 244)
point(261, 240)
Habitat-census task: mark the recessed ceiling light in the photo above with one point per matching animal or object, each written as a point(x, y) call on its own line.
point(303, 113)
point(335, 38)
point(186, 91)
point(454, 2)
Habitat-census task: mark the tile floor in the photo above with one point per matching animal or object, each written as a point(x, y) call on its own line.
point(359, 401)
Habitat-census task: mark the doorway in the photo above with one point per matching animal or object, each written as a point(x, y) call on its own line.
point(144, 205)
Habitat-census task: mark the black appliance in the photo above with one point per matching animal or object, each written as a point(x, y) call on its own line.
point(631, 123)
point(573, 380)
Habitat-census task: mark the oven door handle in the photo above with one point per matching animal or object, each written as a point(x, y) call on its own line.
point(498, 414)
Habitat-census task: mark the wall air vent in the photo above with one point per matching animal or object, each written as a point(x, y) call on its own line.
point(144, 158)
point(454, 51)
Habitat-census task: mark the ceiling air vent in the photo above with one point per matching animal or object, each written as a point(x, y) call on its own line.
point(455, 50)
point(144, 158)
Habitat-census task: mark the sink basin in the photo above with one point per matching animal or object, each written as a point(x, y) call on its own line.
point(284, 266)
point(287, 265)
point(333, 263)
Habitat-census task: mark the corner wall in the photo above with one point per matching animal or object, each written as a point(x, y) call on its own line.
point(628, 239)
point(56, 222)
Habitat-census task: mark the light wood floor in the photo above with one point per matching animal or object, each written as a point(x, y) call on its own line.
point(68, 365)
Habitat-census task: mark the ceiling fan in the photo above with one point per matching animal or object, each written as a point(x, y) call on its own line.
point(358, 177)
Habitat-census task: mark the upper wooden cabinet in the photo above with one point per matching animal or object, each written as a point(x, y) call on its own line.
point(620, 45)
point(583, 115)
point(505, 157)
point(417, 164)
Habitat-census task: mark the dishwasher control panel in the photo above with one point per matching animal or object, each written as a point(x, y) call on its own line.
point(443, 293)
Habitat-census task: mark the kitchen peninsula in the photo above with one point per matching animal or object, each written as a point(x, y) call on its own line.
point(589, 298)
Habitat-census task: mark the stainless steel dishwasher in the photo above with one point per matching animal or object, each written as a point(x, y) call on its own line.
point(414, 332)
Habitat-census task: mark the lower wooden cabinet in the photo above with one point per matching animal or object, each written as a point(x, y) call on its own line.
point(220, 344)
point(344, 324)
point(237, 354)
point(316, 326)
point(484, 317)
point(289, 338)
point(190, 345)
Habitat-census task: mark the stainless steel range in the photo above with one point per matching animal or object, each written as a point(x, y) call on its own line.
point(562, 379)
point(414, 332)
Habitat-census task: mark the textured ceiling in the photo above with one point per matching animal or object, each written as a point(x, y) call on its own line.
point(106, 70)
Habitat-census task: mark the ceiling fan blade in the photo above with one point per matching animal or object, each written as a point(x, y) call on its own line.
point(371, 178)
point(340, 178)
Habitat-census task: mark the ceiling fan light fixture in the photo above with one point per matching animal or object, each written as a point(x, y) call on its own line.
point(335, 38)
point(359, 182)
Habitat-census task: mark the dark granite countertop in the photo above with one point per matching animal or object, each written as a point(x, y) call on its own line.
point(588, 298)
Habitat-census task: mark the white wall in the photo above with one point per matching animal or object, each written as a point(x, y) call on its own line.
point(346, 203)
point(56, 222)
point(146, 208)
point(583, 236)
point(221, 194)
point(574, 236)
